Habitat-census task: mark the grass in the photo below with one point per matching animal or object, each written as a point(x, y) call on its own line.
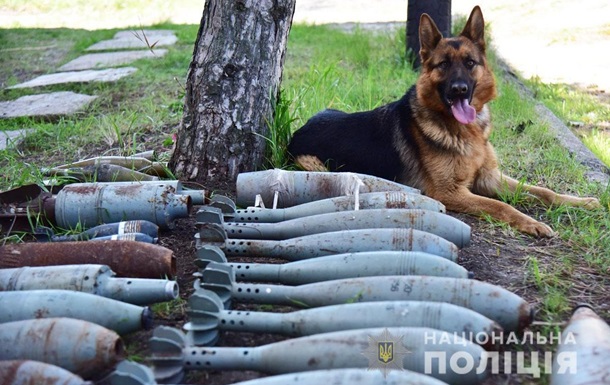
point(324, 68)
point(577, 107)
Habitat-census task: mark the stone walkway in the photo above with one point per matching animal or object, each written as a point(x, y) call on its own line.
point(87, 68)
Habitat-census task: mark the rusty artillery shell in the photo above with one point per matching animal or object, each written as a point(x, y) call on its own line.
point(90, 204)
point(338, 242)
point(92, 279)
point(583, 353)
point(343, 349)
point(506, 308)
point(208, 317)
point(121, 317)
point(367, 201)
point(347, 377)
point(340, 266)
point(297, 187)
point(125, 258)
point(82, 347)
point(27, 372)
point(440, 224)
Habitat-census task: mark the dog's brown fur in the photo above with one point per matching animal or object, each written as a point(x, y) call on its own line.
point(430, 149)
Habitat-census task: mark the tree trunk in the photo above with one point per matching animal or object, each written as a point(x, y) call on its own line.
point(232, 86)
point(438, 10)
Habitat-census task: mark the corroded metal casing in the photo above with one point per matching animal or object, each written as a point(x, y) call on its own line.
point(125, 258)
point(93, 279)
point(121, 317)
point(366, 201)
point(583, 354)
point(506, 308)
point(343, 349)
point(82, 347)
point(338, 242)
point(208, 317)
point(90, 204)
point(198, 197)
point(352, 265)
point(440, 224)
point(297, 187)
point(23, 372)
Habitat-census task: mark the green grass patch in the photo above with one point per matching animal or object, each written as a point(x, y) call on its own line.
point(599, 142)
point(575, 106)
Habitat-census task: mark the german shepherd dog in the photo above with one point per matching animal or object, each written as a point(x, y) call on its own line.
point(435, 138)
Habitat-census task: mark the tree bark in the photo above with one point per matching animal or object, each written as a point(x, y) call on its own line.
point(438, 10)
point(232, 86)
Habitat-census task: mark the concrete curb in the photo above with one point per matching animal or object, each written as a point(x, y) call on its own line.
point(597, 171)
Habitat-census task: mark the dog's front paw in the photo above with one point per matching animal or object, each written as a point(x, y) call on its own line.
point(537, 229)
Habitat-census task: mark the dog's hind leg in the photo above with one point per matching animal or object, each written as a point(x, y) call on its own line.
point(310, 163)
point(546, 196)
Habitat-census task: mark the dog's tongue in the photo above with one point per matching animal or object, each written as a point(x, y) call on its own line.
point(463, 112)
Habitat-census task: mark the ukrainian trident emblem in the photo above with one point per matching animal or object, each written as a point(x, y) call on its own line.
point(385, 352)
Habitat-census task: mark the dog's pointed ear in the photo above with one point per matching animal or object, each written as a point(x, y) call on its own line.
point(475, 28)
point(429, 36)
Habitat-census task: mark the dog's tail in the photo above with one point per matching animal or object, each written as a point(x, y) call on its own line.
point(310, 163)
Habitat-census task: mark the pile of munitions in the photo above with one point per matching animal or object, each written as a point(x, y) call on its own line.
point(371, 275)
point(66, 299)
point(366, 257)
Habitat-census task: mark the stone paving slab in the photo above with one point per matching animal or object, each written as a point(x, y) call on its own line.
point(52, 104)
point(10, 139)
point(107, 75)
point(136, 39)
point(148, 32)
point(109, 59)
